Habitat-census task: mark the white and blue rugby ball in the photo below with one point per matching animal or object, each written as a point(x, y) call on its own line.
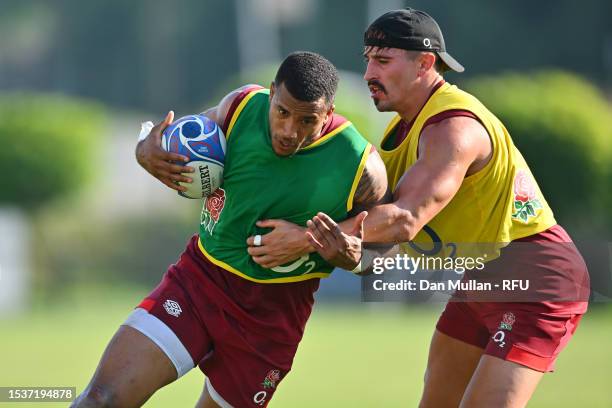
point(200, 139)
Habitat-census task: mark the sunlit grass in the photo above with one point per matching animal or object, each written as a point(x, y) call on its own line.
point(351, 356)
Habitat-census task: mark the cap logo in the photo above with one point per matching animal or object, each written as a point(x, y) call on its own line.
point(427, 42)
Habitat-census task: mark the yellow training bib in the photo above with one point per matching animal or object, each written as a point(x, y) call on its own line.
point(500, 203)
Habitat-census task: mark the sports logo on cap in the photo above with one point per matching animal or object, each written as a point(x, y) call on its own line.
point(410, 29)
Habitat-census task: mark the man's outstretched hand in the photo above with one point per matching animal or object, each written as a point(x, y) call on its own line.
point(160, 163)
point(336, 247)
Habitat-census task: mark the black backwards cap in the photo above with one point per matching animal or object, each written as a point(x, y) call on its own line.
point(409, 29)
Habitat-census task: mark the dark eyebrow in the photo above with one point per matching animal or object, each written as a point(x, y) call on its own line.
point(370, 48)
point(376, 57)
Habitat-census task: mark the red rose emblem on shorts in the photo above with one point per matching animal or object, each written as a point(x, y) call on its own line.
point(274, 375)
point(509, 318)
point(271, 379)
point(524, 187)
point(215, 203)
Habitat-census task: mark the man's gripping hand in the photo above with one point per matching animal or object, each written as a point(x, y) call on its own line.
point(336, 247)
point(285, 243)
point(160, 163)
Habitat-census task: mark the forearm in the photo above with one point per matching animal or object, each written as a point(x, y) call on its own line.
point(371, 251)
point(387, 223)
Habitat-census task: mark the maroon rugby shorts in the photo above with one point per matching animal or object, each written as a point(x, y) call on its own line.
point(530, 333)
point(242, 334)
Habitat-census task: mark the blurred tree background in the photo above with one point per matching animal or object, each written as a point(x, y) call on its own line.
point(77, 77)
point(151, 54)
point(49, 146)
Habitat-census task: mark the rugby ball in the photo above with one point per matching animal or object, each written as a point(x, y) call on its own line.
point(203, 142)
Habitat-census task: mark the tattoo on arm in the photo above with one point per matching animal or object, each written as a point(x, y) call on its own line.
point(372, 188)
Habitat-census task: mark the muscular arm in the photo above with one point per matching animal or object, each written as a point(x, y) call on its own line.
point(372, 188)
point(448, 151)
point(341, 244)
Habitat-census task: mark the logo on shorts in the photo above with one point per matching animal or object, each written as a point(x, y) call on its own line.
point(499, 337)
point(271, 379)
point(260, 398)
point(507, 321)
point(172, 308)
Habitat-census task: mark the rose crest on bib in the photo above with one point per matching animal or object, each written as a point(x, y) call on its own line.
point(211, 211)
point(525, 202)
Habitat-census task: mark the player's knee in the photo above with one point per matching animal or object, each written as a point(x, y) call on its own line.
point(95, 397)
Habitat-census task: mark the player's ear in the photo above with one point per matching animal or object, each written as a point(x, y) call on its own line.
point(272, 89)
point(426, 61)
point(329, 113)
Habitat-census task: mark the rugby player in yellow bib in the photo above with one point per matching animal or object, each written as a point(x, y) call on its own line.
point(457, 178)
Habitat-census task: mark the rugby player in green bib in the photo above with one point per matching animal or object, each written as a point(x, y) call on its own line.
point(289, 156)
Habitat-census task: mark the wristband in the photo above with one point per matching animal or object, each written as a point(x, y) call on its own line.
point(145, 129)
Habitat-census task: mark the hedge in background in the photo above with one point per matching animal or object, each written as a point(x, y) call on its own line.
point(48, 142)
point(562, 125)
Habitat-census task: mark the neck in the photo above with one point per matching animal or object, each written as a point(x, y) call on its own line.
point(418, 98)
point(310, 140)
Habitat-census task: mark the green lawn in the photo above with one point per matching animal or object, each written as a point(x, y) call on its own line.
point(350, 357)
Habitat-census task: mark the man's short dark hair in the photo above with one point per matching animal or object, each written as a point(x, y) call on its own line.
point(308, 76)
point(439, 65)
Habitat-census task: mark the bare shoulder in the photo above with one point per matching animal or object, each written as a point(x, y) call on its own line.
point(219, 112)
point(456, 136)
point(372, 188)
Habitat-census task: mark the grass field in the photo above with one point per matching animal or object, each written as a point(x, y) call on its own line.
point(354, 357)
